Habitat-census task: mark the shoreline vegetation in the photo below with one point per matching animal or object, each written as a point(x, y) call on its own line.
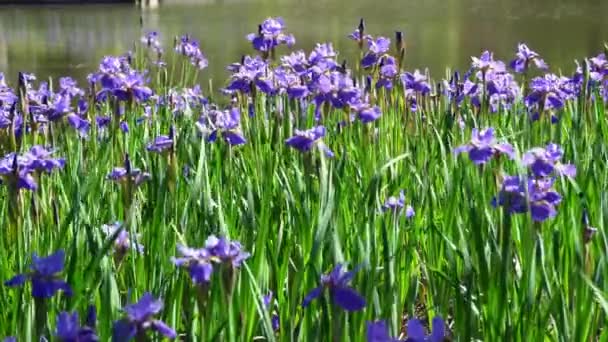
point(307, 198)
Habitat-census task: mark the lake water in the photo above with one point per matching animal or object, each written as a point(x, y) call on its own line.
point(70, 40)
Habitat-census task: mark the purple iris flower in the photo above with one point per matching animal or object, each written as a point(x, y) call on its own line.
point(190, 48)
point(366, 112)
point(323, 57)
point(80, 124)
point(69, 87)
point(524, 56)
point(274, 318)
point(162, 143)
point(340, 293)
point(483, 147)
point(39, 159)
point(226, 251)
point(197, 262)
point(152, 41)
point(395, 204)
point(377, 48)
point(225, 124)
point(541, 198)
point(297, 61)
point(10, 339)
point(378, 332)
point(356, 36)
point(123, 242)
point(139, 319)
point(417, 82)
point(454, 89)
point(16, 169)
point(388, 71)
point(122, 174)
point(547, 92)
point(246, 73)
point(290, 83)
point(546, 161)
point(503, 90)
point(306, 140)
point(416, 333)
point(270, 35)
point(44, 276)
point(69, 329)
point(132, 86)
point(486, 63)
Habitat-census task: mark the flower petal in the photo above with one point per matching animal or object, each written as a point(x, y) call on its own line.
point(348, 299)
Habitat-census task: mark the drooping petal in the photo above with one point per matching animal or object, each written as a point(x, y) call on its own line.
point(312, 295)
point(163, 329)
point(123, 331)
point(415, 330)
point(347, 298)
point(17, 280)
point(438, 330)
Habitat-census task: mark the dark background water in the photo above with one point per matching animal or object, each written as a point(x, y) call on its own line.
point(70, 40)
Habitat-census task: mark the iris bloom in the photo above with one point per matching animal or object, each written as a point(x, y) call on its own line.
point(190, 48)
point(44, 276)
point(541, 199)
point(377, 48)
point(15, 169)
point(306, 140)
point(270, 35)
point(139, 319)
point(547, 92)
point(416, 333)
point(388, 71)
point(123, 242)
point(274, 318)
point(162, 143)
point(378, 332)
point(340, 293)
point(196, 261)
point(483, 147)
point(486, 63)
point(152, 41)
point(546, 161)
point(524, 56)
point(227, 125)
point(395, 204)
point(122, 174)
point(199, 262)
point(69, 329)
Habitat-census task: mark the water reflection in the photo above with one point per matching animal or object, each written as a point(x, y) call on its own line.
point(60, 40)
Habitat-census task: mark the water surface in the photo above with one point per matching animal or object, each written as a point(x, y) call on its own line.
point(70, 40)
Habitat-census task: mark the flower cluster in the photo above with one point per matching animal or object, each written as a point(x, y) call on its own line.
point(117, 78)
point(535, 193)
point(394, 205)
point(22, 171)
